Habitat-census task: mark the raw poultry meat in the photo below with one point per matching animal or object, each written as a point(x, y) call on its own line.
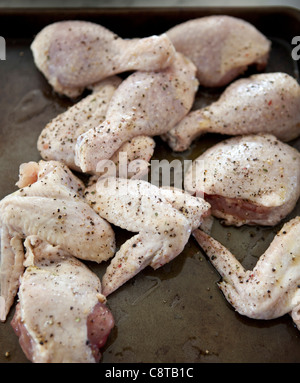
point(272, 288)
point(163, 219)
point(60, 193)
point(222, 47)
point(146, 103)
point(57, 140)
point(61, 316)
point(75, 54)
point(262, 103)
point(253, 179)
point(12, 257)
point(51, 207)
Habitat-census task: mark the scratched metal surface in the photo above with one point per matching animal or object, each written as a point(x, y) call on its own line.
point(176, 313)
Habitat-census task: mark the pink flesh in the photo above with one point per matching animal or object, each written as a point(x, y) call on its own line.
point(239, 208)
point(99, 324)
point(20, 330)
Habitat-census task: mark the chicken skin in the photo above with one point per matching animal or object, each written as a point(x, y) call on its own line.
point(75, 54)
point(252, 179)
point(221, 47)
point(61, 316)
point(262, 103)
point(57, 140)
point(146, 103)
point(61, 194)
point(52, 207)
point(11, 267)
point(163, 219)
point(272, 288)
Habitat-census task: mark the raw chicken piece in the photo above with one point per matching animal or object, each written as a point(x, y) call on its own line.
point(52, 208)
point(146, 103)
point(75, 54)
point(262, 103)
point(132, 160)
point(48, 172)
point(272, 288)
point(57, 140)
point(64, 211)
point(61, 316)
point(163, 219)
point(222, 47)
point(252, 179)
point(12, 257)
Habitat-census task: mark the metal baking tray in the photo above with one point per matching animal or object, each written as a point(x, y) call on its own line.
point(177, 313)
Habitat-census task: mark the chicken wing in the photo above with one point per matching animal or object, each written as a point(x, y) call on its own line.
point(163, 219)
point(75, 54)
point(146, 103)
point(221, 47)
point(52, 208)
point(61, 316)
point(262, 103)
point(252, 179)
point(272, 288)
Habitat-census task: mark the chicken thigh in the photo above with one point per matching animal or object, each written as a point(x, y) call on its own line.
point(221, 47)
point(262, 103)
point(53, 208)
point(57, 140)
point(272, 288)
point(146, 103)
point(252, 179)
point(75, 54)
point(163, 219)
point(61, 316)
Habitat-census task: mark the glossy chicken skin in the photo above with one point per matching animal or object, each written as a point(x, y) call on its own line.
point(146, 103)
point(53, 208)
point(61, 316)
point(253, 179)
point(262, 103)
point(221, 47)
point(75, 54)
point(163, 219)
point(272, 288)
point(57, 140)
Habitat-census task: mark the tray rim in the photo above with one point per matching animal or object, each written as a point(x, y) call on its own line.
point(111, 11)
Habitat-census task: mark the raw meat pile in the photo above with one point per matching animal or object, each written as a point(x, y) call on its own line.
point(55, 222)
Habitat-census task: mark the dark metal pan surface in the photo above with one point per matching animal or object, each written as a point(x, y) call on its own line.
point(176, 313)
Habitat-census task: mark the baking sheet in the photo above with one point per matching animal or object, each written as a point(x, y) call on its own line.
point(176, 313)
